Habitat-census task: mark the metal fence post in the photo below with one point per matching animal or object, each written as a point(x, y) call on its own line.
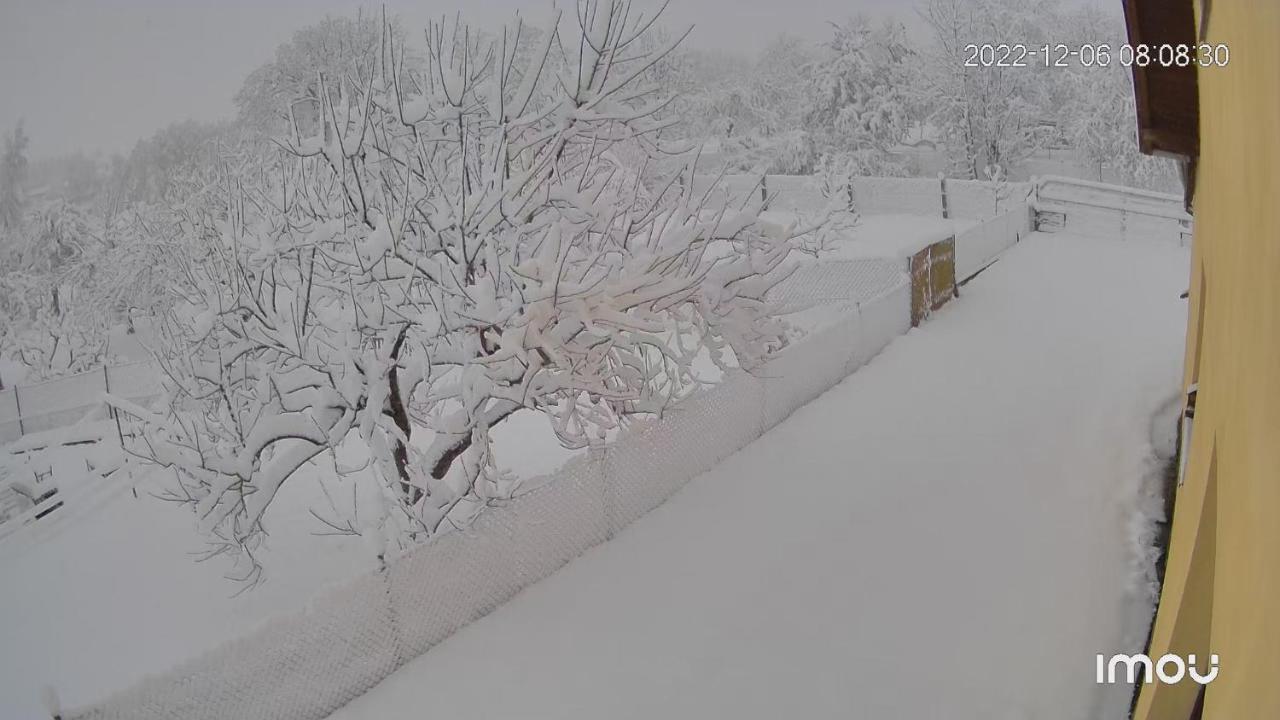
point(942, 182)
point(17, 403)
point(111, 410)
point(599, 454)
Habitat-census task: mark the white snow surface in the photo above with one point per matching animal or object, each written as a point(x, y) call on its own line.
point(946, 534)
point(898, 236)
point(96, 596)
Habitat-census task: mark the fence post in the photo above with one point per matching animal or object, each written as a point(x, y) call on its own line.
point(942, 182)
point(17, 403)
point(764, 189)
point(598, 458)
point(1124, 216)
point(111, 410)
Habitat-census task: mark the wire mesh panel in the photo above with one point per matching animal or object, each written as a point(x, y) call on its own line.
point(801, 194)
point(971, 199)
point(306, 665)
point(831, 282)
point(979, 199)
point(1101, 210)
point(61, 402)
point(878, 324)
point(73, 399)
point(136, 382)
point(805, 371)
point(720, 188)
point(10, 427)
point(442, 586)
point(651, 462)
point(977, 246)
point(1016, 195)
point(1123, 224)
point(303, 666)
point(1137, 225)
point(892, 196)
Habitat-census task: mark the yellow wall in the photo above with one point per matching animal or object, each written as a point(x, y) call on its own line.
point(1222, 583)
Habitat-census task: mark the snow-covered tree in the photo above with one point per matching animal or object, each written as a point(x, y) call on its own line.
point(287, 89)
point(13, 173)
point(72, 271)
point(990, 116)
point(43, 323)
point(1097, 110)
point(157, 163)
point(859, 96)
point(451, 247)
point(747, 110)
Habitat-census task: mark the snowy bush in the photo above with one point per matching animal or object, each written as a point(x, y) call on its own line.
point(450, 247)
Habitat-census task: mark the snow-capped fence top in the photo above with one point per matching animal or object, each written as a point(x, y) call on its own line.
point(980, 245)
point(971, 199)
point(63, 411)
point(1103, 210)
point(35, 408)
point(1096, 208)
point(306, 665)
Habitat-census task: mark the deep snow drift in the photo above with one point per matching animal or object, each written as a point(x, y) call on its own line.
point(945, 534)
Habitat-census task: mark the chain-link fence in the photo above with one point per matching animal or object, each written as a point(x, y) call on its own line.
point(804, 194)
point(307, 665)
point(1097, 209)
point(978, 246)
point(39, 407)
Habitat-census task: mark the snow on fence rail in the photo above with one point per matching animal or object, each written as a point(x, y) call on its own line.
point(878, 195)
point(1103, 210)
point(64, 401)
point(33, 417)
point(306, 665)
point(27, 409)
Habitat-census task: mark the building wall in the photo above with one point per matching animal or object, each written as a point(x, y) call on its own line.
point(1222, 584)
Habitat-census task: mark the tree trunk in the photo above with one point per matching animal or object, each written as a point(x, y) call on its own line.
point(400, 415)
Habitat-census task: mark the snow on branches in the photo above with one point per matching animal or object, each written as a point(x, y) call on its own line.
point(452, 246)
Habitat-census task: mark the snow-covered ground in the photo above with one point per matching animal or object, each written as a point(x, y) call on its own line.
point(98, 595)
point(107, 590)
point(947, 534)
point(897, 235)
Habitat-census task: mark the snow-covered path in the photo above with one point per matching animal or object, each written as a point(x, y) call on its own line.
point(943, 535)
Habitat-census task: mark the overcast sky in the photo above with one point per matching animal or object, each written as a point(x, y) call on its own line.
point(101, 75)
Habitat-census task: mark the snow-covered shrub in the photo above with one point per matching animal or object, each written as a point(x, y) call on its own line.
point(784, 153)
point(449, 248)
